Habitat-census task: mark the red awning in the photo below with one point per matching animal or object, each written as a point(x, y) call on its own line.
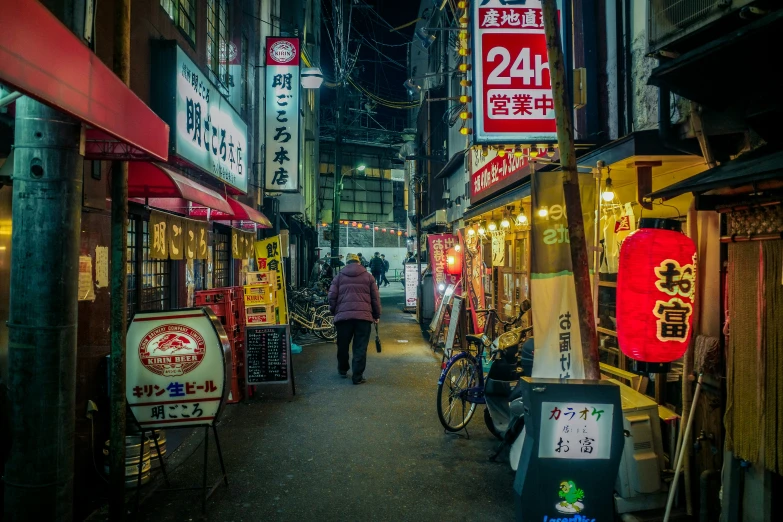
point(241, 212)
point(43, 59)
point(151, 180)
point(245, 212)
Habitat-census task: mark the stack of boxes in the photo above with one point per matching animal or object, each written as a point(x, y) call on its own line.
point(227, 304)
point(260, 298)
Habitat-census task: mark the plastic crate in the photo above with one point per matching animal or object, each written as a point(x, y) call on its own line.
point(217, 295)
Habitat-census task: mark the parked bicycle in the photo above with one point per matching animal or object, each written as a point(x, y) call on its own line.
point(461, 385)
point(309, 312)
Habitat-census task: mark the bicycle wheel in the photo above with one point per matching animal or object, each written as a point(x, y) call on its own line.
point(324, 324)
point(454, 410)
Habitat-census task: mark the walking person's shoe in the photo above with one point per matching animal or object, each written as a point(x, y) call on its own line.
point(360, 380)
point(343, 374)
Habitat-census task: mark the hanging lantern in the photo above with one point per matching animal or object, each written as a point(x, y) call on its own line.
point(453, 261)
point(391, 230)
point(399, 232)
point(383, 230)
point(376, 228)
point(353, 224)
point(656, 281)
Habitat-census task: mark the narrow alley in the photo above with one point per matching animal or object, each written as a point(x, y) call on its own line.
point(341, 452)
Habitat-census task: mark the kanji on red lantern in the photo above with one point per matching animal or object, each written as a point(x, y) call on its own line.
point(656, 281)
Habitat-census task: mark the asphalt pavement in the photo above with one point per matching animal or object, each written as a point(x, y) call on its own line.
point(336, 451)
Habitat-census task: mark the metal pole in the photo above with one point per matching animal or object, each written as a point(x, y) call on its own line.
point(576, 229)
point(338, 159)
point(47, 204)
point(118, 284)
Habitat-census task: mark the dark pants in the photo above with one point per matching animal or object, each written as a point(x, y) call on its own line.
point(358, 331)
point(377, 276)
point(383, 279)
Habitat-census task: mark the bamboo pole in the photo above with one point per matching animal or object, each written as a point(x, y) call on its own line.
point(576, 229)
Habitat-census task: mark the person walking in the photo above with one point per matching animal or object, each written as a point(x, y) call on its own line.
point(363, 261)
point(356, 304)
point(377, 267)
point(385, 269)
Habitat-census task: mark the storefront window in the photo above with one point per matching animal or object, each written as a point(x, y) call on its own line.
point(217, 39)
point(183, 14)
point(131, 270)
point(200, 274)
point(155, 278)
point(222, 274)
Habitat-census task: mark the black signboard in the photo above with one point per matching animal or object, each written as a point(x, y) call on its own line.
point(268, 354)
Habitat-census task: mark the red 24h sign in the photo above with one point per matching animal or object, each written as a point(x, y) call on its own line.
point(513, 87)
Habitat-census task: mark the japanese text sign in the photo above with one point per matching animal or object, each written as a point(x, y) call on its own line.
point(437, 245)
point(491, 173)
point(209, 132)
point(177, 368)
point(656, 282)
point(282, 115)
point(575, 431)
point(173, 237)
point(411, 283)
point(269, 257)
point(513, 87)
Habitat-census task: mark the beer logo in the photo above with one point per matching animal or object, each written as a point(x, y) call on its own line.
point(282, 51)
point(172, 350)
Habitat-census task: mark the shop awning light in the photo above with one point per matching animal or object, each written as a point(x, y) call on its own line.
point(505, 223)
point(465, 99)
point(543, 212)
point(471, 232)
point(521, 219)
point(492, 226)
point(518, 151)
point(608, 193)
point(482, 231)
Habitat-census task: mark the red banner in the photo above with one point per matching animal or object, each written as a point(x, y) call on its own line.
point(437, 245)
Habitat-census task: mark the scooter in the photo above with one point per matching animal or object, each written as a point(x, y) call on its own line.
point(513, 358)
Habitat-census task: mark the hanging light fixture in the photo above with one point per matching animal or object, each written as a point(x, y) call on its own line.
point(484, 151)
point(465, 115)
point(463, 51)
point(311, 77)
point(471, 231)
point(543, 212)
point(383, 230)
point(482, 231)
point(464, 131)
point(608, 193)
point(521, 219)
point(492, 226)
point(376, 228)
point(353, 224)
point(518, 151)
point(462, 4)
point(465, 99)
point(465, 83)
point(399, 232)
point(501, 152)
point(505, 223)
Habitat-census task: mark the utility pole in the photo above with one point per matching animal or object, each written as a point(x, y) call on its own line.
point(338, 179)
point(42, 323)
point(576, 228)
point(340, 61)
point(119, 288)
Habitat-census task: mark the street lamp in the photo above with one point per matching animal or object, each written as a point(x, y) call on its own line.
point(312, 77)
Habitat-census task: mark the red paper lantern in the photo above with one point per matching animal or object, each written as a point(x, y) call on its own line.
point(353, 224)
point(376, 228)
point(453, 262)
point(656, 281)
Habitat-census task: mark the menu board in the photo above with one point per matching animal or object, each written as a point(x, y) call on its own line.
point(268, 354)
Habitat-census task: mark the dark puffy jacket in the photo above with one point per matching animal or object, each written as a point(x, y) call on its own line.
point(354, 295)
point(376, 264)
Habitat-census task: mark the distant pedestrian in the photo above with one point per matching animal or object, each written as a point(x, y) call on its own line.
point(363, 261)
point(377, 267)
point(356, 304)
point(385, 269)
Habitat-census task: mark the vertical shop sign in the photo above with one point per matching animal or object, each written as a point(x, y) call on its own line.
point(555, 320)
point(437, 245)
point(513, 86)
point(269, 257)
point(177, 368)
point(498, 248)
point(474, 262)
point(282, 115)
point(411, 283)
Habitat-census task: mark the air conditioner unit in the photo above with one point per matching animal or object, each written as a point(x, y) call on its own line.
point(671, 21)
